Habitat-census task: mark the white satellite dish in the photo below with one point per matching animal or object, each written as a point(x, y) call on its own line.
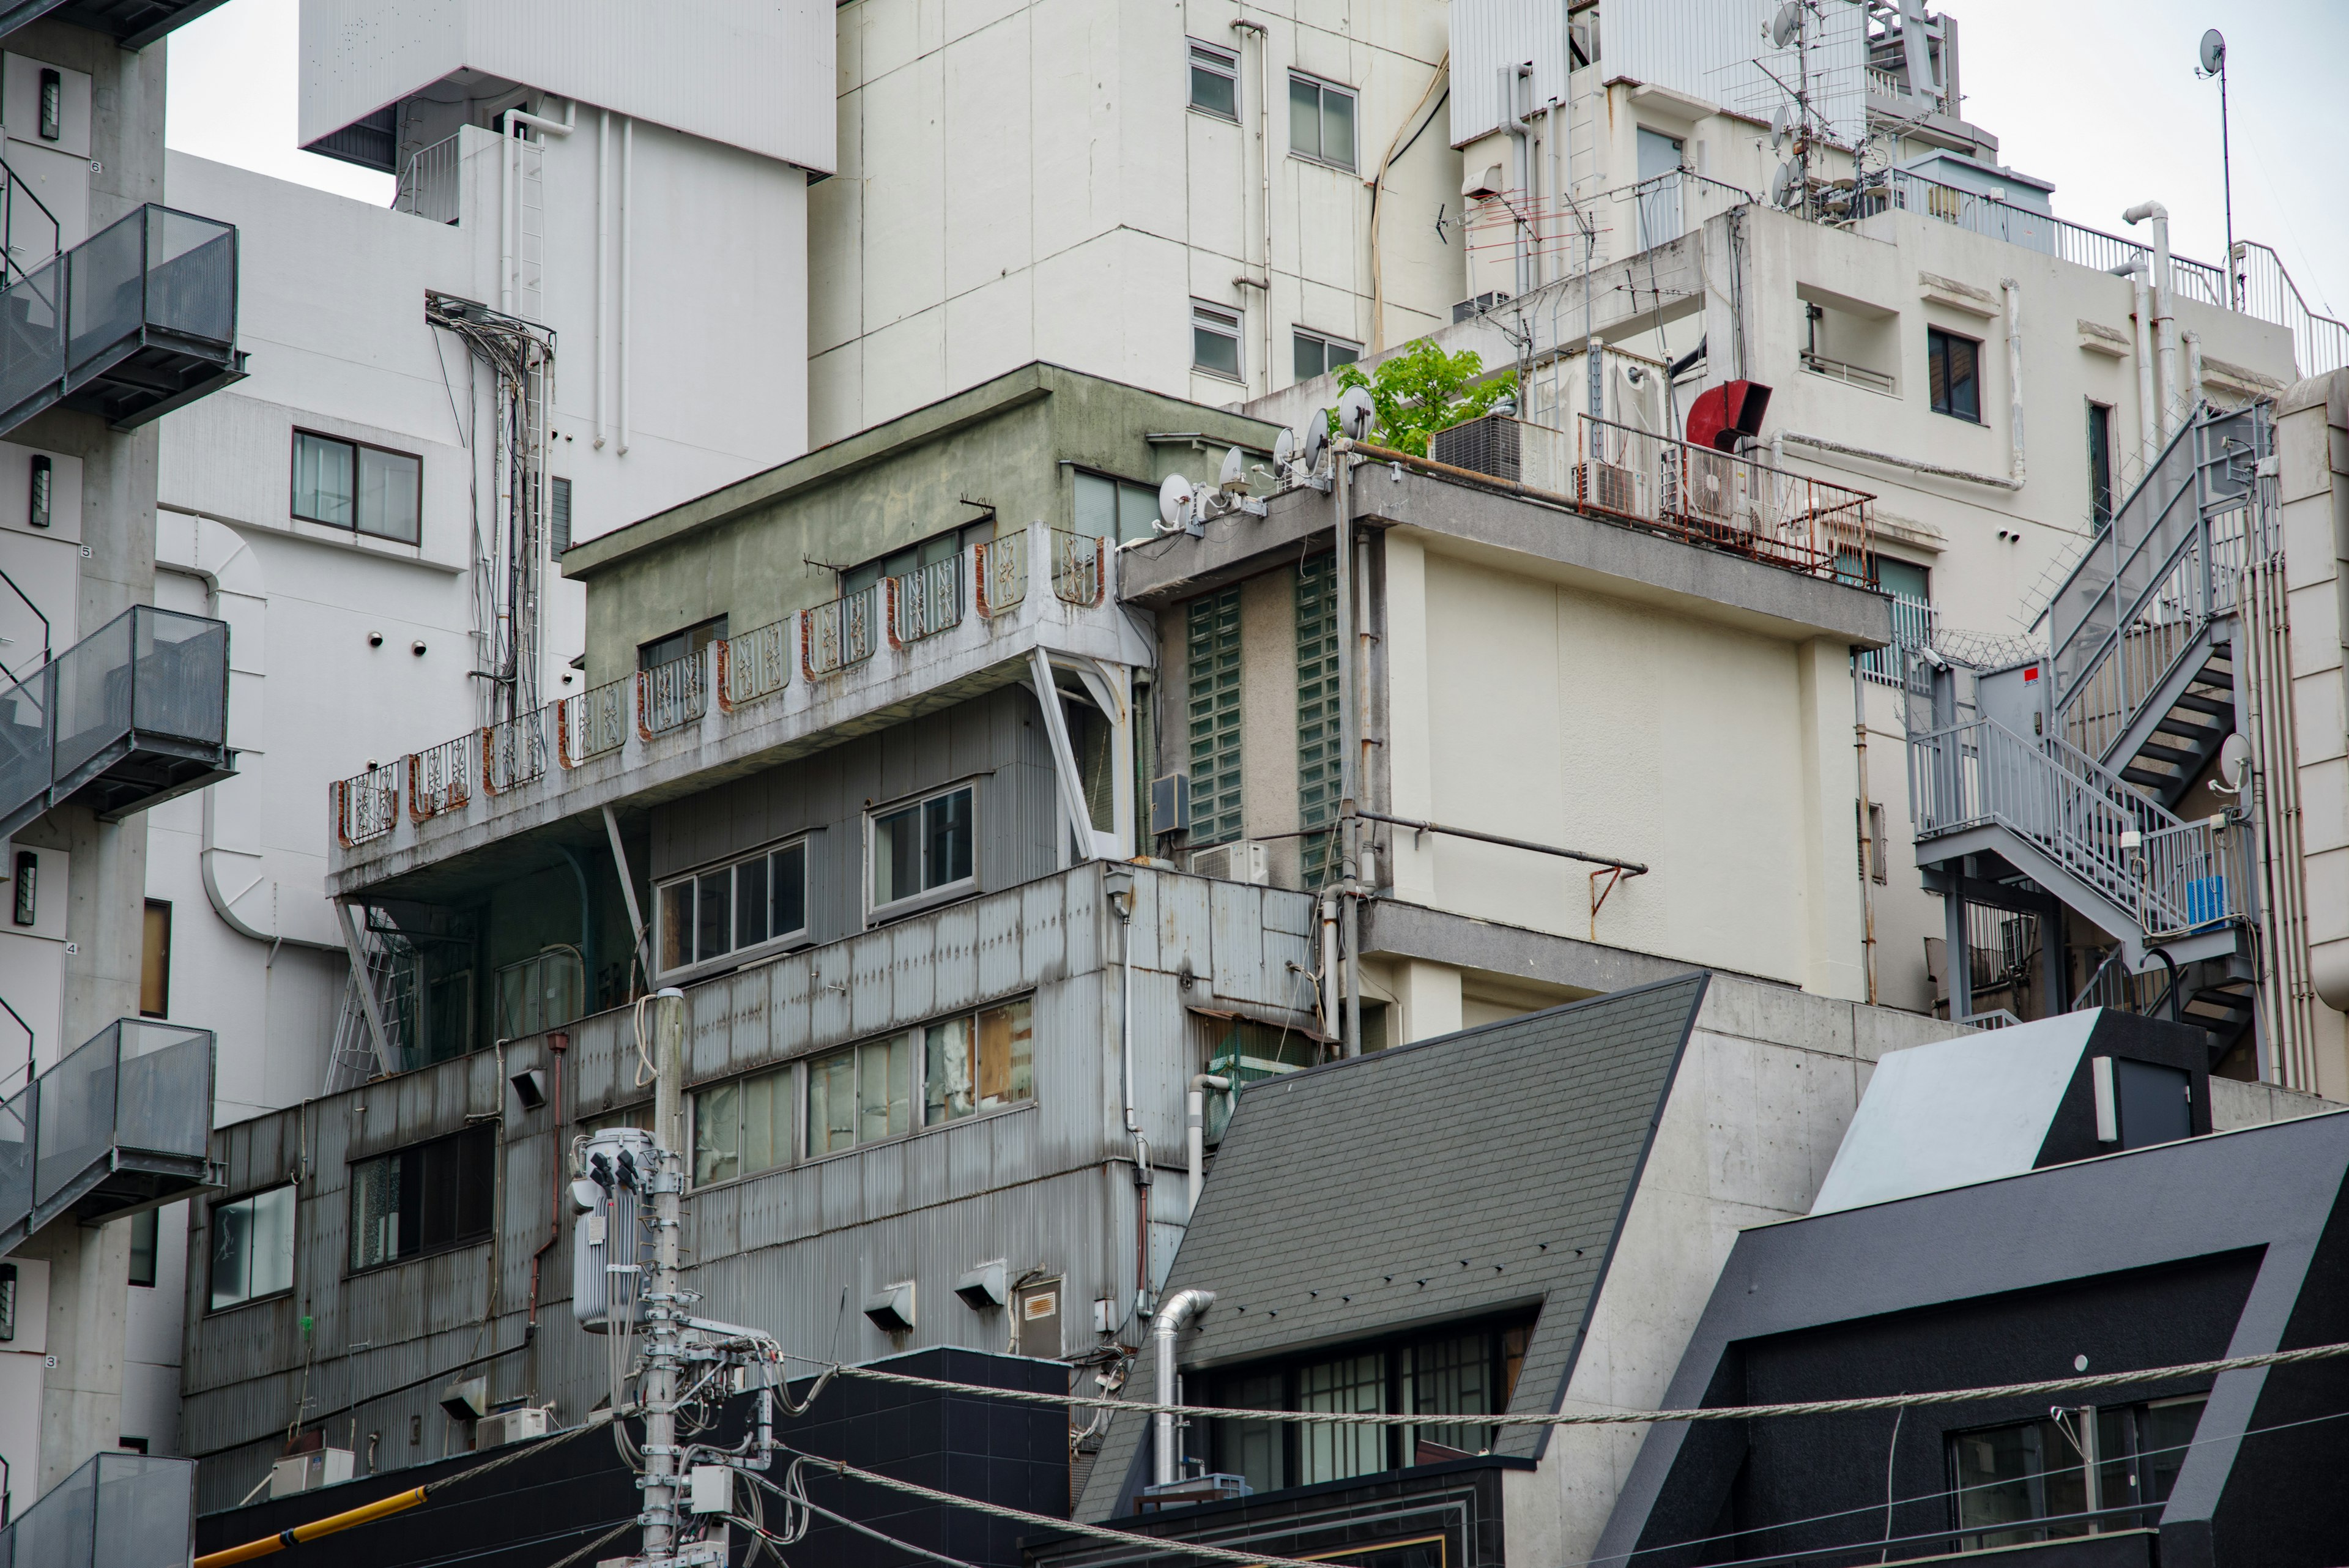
point(1175, 499)
point(1787, 24)
point(1284, 448)
point(1234, 476)
point(1355, 411)
point(2214, 52)
point(1779, 122)
point(2235, 762)
point(1785, 184)
point(1317, 439)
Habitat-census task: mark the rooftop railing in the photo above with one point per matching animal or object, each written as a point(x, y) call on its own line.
point(1717, 498)
point(925, 601)
point(428, 182)
point(133, 1100)
point(754, 665)
point(672, 694)
point(593, 721)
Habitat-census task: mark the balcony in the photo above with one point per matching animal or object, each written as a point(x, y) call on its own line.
point(129, 325)
point(117, 1510)
point(117, 1126)
point(133, 714)
point(890, 651)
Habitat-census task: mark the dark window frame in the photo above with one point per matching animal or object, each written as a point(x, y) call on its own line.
point(354, 527)
point(1942, 387)
point(2128, 1421)
point(483, 1138)
point(773, 941)
point(213, 1304)
point(1216, 61)
point(2101, 487)
point(1323, 342)
point(916, 1038)
point(687, 640)
point(146, 1247)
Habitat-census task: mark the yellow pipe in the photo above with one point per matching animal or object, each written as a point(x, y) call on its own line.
point(399, 1503)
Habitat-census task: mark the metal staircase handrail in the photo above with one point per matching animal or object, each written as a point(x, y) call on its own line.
point(11, 268)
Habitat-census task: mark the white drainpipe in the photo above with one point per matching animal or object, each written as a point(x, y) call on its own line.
point(1329, 968)
point(2141, 309)
point(2013, 292)
point(2165, 324)
point(1182, 1305)
point(1194, 1129)
point(2193, 388)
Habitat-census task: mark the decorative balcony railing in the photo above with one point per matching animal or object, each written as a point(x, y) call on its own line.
point(367, 804)
point(1079, 568)
point(1001, 574)
point(672, 695)
point(836, 635)
point(440, 778)
point(925, 601)
point(592, 722)
point(514, 752)
point(754, 665)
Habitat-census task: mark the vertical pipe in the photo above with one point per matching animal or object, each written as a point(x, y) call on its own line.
point(1348, 785)
point(2141, 309)
point(2165, 324)
point(603, 262)
point(1867, 840)
point(1182, 1306)
point(2193, 387)
point(1330, 1026)
point(1954, 956)
point(662, 1356)
point(1195, 1132)
point(2013, 292)
point(628, 273)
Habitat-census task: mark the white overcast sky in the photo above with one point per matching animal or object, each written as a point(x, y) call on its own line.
point(2097, 96)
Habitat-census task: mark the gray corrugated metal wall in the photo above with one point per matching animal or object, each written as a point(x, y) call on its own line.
point(1047, 1186)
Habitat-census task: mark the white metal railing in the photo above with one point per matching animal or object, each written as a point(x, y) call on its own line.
point(367, 804)
point(593, 722)
point(1079, 567)
point(1719, 499)
point(1914, 625)
point(514, 752)
point(2264, 289)
point(672, 695)
point(428, 182)
point(440, 778)
point(925, 601)
point(754, 665)
point(1000, 572)
point(1854, 375)
point(836, 635)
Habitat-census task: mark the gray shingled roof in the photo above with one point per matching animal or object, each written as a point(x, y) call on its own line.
point(1449, 1177)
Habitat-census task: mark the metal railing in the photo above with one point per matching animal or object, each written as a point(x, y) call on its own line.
point(2320, 343)
point(137, 1088)
point(839, 634)
point(1914, 627)
point(754, 665)
point(1000, 572)
point(1853, 375)
point(440, 778)
point(1716, 498)
point(2171, 877)
point(366, 804)
point(1079, 568)
point(592, 722)
point(16, 260)
point(117, 1510)
point(925, 601)
point(672, 695)
point(2115, 985)
point(428, 182)
point(514, 752)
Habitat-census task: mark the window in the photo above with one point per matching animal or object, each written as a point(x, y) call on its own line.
point(929, 552)
point(742, 1127)
point(1213, 672)
point(1321, 121)
point(426, 1198)
point(679, 645)
point(155, 961)
point(1216, 340)
point(52, 126)
point(2029, 1481)
point(1660, 161)
point(1318, 354)
point(146, 1241)
point(1115, 509)
point(860, 1095)
point(558, 516)
point(979, 1062)
point(1215, 81)
point(1953, 371)
point(761, 898)
point(252, 1247)
point(448, 1015)
point(350, 484)
point(538, 994)
point(2100, 463)
point(921, 848)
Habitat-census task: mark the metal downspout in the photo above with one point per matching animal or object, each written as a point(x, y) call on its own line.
point(1194, 1134)
point(1182, 1305)
point(2013, 292)
point(2141, 312)
point(2165, 323)
point(1349, 827)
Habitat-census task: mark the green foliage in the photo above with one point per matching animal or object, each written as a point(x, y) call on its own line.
point(1421, 391)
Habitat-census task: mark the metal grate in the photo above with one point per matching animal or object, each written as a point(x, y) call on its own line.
point(1213, 674)
point(1318, 760)
point(1489, 445)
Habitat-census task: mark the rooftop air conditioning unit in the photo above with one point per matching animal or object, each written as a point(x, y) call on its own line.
point(1239, 861)
point(512, 1427)
point(1486, 445)
point(309, 1473)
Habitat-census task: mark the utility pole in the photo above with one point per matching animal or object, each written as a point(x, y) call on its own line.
point(663, 1307)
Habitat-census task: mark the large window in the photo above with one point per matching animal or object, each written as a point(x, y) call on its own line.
point(2030, 1482)
point(1321, 121)
point(957, 1068)
point(760, 899)
point(426, 1198)
point(1115, 509)
point(1317, 353)
point(2100, 463)
point(1216, 340)
point(366, 489)
point(538, 994)
point(979, 1062)
point(252, 1247)
point(923, 847)
point(742, 1127)
point(1953, 371)
point(860, 1095)
point(1215, 81)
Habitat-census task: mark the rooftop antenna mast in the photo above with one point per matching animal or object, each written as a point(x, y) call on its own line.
point(2214, 64)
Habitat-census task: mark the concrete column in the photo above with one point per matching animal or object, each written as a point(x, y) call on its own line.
point(1834, 964)
point(1956, 957)
point(1411, 773)
point(1430, 994)
point(81, 1395)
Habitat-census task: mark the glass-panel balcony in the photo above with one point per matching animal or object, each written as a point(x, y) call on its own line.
point(120, 1125)
point(134, 713)
point(117, 1510)
point(136, 320)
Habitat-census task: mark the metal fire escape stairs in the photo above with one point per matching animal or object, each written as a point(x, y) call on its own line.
point(2064, 775)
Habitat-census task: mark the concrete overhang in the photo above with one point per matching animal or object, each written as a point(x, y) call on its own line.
point(1520, 534)
point(1392, 930)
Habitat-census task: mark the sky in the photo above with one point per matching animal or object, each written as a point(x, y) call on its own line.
point(2098, 96)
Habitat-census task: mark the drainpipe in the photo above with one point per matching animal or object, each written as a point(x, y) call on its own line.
point(1194, 1125)
point(2142, 312)
point(1118, 883)
point(2165, 324)
point(2013, 292)
point(627, 246)
point(2193, 389)
point(1182, 1305)
point(1330, 967)
point(1512, 78)
point(1264, 181)
point(603, 266)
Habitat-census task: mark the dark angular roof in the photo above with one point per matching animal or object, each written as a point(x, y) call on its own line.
point(1446, 1179)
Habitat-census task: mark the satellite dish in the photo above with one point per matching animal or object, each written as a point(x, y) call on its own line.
point(2214, 52)
point(1785, 184)
point(1234, 476)
point(2235, 762)
point(1317, 438)
point(1284, 448)
point(1787, 24)
point(1779, 122)
point(1176, 498)
point(1355, 410)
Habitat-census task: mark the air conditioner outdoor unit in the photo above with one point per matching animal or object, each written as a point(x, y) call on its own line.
point(309, 1473)
point(512, 1427)
point(1239, 861)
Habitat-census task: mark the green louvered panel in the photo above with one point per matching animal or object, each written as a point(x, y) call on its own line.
point(1316, 710)
point(1214, 717)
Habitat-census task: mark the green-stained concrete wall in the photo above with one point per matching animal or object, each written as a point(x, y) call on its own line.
point(770, 545)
